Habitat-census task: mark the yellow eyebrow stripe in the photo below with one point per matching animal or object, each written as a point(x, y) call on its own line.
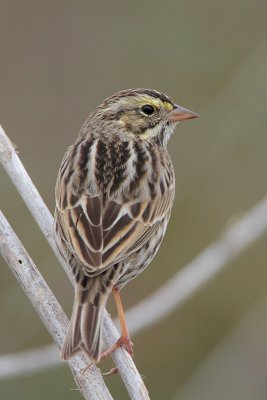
point(168, 106)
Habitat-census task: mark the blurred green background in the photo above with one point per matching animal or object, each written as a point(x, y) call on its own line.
point(58, 60)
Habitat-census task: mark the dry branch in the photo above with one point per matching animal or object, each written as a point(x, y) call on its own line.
point(91, 383)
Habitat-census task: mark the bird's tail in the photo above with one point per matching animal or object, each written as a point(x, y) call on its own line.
point(84, 332)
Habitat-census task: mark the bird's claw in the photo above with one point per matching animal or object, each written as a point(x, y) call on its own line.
point(121, 342)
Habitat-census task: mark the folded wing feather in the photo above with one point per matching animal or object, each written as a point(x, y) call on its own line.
point(100, 236)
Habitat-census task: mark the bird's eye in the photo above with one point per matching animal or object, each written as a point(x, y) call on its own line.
point(148, 109)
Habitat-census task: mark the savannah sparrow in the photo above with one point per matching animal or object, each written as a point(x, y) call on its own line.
point(114, 194)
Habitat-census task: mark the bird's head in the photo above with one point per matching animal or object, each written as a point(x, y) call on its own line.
point(140, 113)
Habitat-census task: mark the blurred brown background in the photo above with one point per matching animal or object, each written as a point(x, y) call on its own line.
point(58, 60)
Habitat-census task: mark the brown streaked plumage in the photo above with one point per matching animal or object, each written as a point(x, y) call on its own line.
point(114, 194)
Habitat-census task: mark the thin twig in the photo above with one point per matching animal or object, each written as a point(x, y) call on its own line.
point(13, 166)
point(187, 282)
point(29, 362)
point(90, 383)
point(23, 183)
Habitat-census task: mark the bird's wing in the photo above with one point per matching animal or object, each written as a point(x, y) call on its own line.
point(101, 235)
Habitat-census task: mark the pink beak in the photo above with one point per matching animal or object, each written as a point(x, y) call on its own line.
point(180, 114)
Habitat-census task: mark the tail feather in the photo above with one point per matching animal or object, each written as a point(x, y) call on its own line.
point(85, 330)
point(91, 328)
point(72, 340)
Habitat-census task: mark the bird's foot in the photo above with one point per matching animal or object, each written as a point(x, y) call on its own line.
point(125, 341)
point(121, 342)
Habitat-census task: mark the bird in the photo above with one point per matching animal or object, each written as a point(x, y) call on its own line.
point(114, 194)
